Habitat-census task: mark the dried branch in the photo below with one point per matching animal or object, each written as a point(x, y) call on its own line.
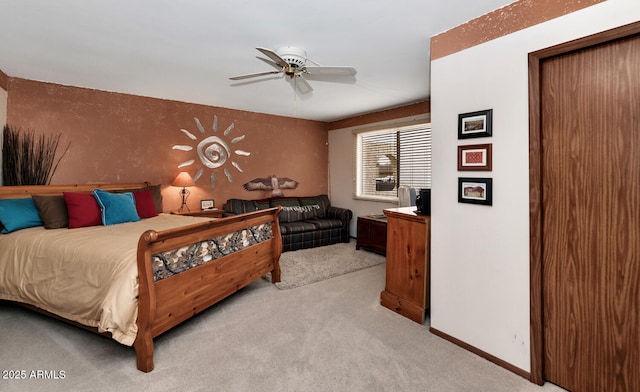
point(27, 159)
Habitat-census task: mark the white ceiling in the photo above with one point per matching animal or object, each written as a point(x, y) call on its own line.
point(186, 50)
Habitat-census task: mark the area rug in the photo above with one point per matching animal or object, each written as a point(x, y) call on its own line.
point(305, 266)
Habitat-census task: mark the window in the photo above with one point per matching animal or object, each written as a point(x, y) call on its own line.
point(389, 158)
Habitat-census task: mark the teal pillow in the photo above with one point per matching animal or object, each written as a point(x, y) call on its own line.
point(116, 207)
point(16, 214)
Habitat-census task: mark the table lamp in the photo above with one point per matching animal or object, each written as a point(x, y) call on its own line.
point(183, 180)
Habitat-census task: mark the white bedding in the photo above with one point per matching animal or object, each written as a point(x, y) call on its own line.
point(88, 275)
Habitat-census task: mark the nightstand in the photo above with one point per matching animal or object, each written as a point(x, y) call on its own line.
point(372, 233)
point(212, 213)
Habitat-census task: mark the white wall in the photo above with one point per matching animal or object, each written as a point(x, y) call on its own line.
point(341, 168)
point(480, 254)
point(341, 178)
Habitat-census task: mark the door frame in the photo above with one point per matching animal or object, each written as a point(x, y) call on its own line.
point(535, 180)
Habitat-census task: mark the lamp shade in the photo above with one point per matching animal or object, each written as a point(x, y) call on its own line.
point(183, 180)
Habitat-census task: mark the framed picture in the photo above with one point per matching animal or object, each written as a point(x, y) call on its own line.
point(475, 191)
point(474, 124)
point(207, 204)
point(474, 157)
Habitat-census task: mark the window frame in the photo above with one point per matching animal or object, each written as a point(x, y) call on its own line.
point(421, 122)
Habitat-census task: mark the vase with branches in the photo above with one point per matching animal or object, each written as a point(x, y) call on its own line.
point(29, 159)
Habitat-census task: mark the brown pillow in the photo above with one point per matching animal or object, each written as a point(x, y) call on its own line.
point(157, 197)
point(52, 210)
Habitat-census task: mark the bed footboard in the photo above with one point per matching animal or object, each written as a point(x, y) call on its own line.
point(165, 303)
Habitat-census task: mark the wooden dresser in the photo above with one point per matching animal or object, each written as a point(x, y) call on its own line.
point(407, 277)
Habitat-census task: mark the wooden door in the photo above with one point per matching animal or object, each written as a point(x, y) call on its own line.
point(590, 147)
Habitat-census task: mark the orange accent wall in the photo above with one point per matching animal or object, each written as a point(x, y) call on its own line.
point(506, 20)
point(125, 138)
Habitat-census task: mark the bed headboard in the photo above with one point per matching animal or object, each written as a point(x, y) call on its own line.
point(8, 192)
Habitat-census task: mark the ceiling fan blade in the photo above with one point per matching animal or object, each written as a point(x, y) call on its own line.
point(271, 63)
point(274, 56)
point(246, 82)
point(240, 77)
point(301, 85)
point(344, 79)
point(321, 70)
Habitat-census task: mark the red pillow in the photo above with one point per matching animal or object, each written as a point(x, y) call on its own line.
point(83, 209)
point(144, 204)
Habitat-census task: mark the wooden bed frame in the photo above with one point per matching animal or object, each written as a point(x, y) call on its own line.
point(170, 301)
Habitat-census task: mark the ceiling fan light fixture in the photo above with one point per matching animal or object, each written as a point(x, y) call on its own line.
point(295, 57)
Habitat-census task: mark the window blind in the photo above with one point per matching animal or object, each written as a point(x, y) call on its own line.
point(386, 159)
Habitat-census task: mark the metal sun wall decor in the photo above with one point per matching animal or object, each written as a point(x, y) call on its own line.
point(212, 151)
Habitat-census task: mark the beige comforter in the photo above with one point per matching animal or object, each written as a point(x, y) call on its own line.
point(88, 275)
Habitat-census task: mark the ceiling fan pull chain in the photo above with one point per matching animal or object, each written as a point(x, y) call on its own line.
point(295, 98)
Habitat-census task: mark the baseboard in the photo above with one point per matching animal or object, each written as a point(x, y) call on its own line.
point(480, 353)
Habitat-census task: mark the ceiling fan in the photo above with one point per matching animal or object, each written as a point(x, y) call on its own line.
point(292, 62)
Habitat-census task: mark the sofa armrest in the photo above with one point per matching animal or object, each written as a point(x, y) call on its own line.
point(345, 216)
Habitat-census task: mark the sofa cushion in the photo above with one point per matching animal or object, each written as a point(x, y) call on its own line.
point(322, 224)
point(262, 204)
point(296, 227)
point(318, 205)
point(310, 210)
point(291, 209)
point(239, 206)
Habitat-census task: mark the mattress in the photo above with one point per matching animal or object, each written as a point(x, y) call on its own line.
point(87, 275)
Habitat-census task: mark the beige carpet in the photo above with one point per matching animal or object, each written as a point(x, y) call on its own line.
point(306, 266)
point(330, 336)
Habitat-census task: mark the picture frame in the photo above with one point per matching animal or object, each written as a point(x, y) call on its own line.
point(475, 157)
point(207, 204)
point(475, 124)
point(475, 190)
